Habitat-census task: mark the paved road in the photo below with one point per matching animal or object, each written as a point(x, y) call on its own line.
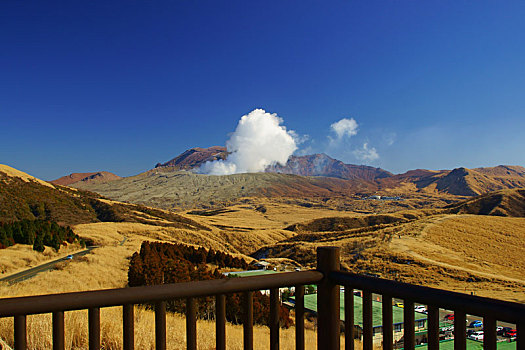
point(27, 274)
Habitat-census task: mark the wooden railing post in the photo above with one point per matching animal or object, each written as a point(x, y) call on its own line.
point(160, 325)
point(191, 324)
point(299, 317)
point(328, 337)
point(220, 322)
point(248, 321)
point(94, 328)
point(349, 318)
point(58, 330)
point(20, 332)
point(520, 340)
point(128, 326)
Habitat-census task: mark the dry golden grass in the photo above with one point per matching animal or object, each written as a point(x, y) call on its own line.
point(76, 324)
point(480, 241)
point(276, 215)
point(464, 253)
point(21, 257)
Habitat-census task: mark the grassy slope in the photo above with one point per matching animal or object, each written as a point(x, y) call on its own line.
point(455, 252)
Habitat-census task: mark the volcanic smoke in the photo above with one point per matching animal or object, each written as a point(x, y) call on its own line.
point(258, 142)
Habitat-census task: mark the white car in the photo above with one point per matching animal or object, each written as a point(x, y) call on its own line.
point(476, 335)
point(421, 308)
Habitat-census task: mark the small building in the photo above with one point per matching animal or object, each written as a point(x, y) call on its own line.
point(261, 265)
point(259, 273)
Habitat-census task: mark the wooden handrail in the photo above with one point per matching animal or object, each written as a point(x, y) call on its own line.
point(146, 294)
point(470, 304)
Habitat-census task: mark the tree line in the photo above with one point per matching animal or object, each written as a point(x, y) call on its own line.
point(39, 233)
point(160, 263)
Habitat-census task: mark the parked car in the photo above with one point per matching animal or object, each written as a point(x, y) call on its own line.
point(502, 330)
point(511, 333)
point(476, 335)
point(476, 324)
point(449, 317)
point(399, 305)
point(420, 308)
point(447, 329)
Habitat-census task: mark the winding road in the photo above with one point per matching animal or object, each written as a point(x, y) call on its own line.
point(29, 273)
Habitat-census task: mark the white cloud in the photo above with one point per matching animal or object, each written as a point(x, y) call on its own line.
point(345, 127)
point(258, 141)
point(365, 153)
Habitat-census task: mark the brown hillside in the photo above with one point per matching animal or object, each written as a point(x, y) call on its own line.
point(25, 198)
point(458, 182)
point(448, 251)
point(500, 203)
point(503, 171)
point(14, 173)
point(96, 177)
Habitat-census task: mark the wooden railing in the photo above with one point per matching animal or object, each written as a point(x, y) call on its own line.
point(328, 277)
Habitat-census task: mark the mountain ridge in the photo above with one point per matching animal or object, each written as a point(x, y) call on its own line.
point(316, 175)
point(97, 177)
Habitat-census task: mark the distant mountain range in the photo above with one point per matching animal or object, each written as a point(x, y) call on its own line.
point(174, 183)
point(459, 181)
point(25, 197)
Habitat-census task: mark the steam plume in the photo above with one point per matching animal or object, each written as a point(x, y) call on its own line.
point(258, 141)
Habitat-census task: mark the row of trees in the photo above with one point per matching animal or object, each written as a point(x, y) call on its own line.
point(38, 233)
point(159, 263)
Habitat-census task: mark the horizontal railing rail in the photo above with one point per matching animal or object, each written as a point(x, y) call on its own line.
point(470, 304)
point(148, 294)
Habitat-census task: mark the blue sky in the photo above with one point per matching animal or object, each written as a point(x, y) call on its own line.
point(122, 85)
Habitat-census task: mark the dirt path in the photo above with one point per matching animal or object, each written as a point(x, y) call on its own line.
point(435, 221)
